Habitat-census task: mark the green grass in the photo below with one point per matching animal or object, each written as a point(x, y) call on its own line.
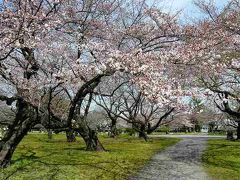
point(39, 158)
point(190, 133)
point(222, 159)
point(179, 133)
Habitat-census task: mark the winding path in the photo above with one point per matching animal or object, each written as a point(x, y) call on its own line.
point(179, 162)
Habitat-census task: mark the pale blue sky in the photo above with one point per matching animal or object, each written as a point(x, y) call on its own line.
point(188, 8)
point(185, 4)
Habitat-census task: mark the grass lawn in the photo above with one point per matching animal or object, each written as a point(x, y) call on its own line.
point(39, 158)
point(222, 159)
point(189, 133)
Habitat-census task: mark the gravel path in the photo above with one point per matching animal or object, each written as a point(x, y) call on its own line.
point(179, 162)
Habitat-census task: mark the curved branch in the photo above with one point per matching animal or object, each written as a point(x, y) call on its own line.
point(151, 129)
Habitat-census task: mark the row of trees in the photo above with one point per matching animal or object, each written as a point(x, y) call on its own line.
point(136, 62)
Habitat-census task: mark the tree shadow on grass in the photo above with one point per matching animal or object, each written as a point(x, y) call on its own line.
point(219, 153)
point(227, 164)
point(29, 158)
point(21, 165)
point(95, 165)
point(221, 146)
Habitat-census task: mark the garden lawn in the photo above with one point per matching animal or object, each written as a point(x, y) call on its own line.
point(39, 158)
point(222, 159)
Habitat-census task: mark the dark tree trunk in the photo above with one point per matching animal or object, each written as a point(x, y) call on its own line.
point(142, 133)
point(8, 146)
point(90, 138)
point(16, 132)
point(113, 130)
point(70, 135)
point(230, 135)
point(50, 134)
point(211, 126)
point(92, 142)
point(238, 131)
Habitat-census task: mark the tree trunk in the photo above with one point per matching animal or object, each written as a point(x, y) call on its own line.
point(230, 135)
point(50, 134)
point(16, 132)
point(142, 133)
point(8, 146)
point(113, 130)
point(90, 138)
point(70, 135)
point(92, 142)
point(238, 131)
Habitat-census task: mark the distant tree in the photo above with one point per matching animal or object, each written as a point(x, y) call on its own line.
point(127, 103)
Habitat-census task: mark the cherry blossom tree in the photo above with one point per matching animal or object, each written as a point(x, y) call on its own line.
point(22, 24)
point(220, 73)
point(125, 102)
